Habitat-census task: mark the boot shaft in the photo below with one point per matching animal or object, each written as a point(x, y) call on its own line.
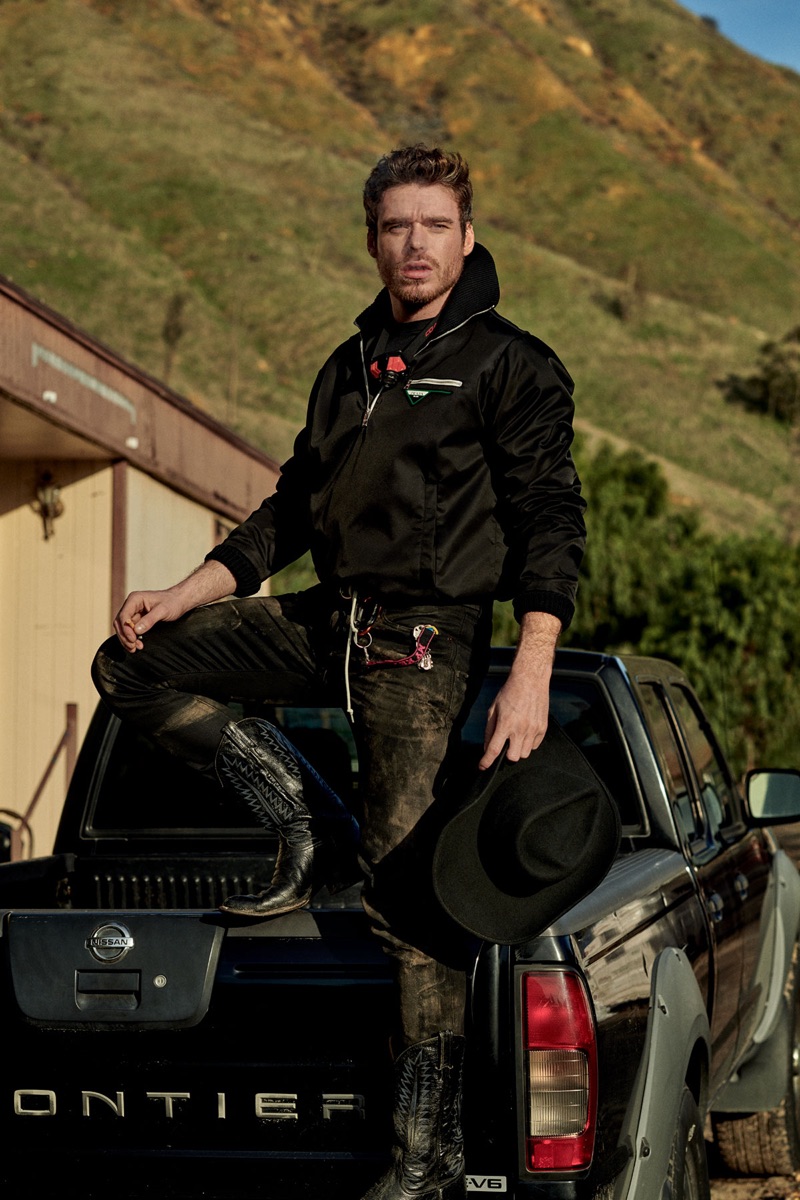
point(280, 785)
point(429, 1144)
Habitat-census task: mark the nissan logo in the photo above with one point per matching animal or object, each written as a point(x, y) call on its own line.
point(110, 943)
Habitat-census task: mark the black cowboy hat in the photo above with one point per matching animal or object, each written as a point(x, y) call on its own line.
point(531, 839)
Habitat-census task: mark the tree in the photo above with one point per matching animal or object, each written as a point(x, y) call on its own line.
point(172, 331)
point(723, 609)
point(774, 388)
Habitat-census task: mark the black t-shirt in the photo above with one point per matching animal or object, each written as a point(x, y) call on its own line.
point(398, 339)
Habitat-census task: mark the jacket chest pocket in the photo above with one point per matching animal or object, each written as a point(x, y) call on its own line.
point(430, 388)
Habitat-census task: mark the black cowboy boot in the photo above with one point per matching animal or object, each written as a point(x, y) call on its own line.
point(288, 796)
point(428, 1152)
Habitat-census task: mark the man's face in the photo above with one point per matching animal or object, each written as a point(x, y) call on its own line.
point(419, 247)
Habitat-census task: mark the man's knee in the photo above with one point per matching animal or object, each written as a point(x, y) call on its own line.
point(103, 668)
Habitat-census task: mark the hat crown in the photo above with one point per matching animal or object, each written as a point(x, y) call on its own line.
point(527, 842)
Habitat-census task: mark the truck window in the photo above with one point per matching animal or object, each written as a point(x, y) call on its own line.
point(580, 708)
point(687, 817)
point(145, 790)
point(713, 779)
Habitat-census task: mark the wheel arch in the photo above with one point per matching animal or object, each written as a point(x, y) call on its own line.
point(697, 1073)
point(676, 1053)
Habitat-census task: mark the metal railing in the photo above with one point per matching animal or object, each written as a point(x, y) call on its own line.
point(68, 746)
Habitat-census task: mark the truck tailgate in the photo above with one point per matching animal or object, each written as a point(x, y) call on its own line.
point(273, 1045)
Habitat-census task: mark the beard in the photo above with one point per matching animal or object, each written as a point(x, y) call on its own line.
point(416, 293)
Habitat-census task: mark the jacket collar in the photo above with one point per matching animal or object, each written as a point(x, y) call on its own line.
point(476, 291)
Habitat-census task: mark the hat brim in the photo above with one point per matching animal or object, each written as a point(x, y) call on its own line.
point(479, 901)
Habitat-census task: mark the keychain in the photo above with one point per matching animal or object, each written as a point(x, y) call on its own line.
point(426, 662)
point(421, 655)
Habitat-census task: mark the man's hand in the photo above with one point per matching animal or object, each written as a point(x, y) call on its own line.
point(142, 610)
point(519, 713)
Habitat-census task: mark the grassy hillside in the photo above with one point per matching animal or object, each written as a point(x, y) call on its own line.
point(635, 177)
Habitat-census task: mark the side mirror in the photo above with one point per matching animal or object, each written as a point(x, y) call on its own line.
point(773, 797)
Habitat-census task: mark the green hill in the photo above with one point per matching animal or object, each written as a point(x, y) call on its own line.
point(635, 178)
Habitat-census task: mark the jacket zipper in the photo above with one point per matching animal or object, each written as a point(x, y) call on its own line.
point(369, 406)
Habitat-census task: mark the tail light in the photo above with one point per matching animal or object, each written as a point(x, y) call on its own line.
point(560, 1071)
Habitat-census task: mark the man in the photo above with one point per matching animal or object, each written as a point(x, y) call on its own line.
point(433, 475)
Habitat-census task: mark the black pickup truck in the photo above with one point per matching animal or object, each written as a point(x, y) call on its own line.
point(155, 1047)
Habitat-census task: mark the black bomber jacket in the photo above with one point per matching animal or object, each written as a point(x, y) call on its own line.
point(460, 486)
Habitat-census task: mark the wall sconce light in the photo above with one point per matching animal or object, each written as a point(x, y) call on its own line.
point(48, 502)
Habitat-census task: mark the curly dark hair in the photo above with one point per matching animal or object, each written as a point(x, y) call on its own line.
point(419, 164)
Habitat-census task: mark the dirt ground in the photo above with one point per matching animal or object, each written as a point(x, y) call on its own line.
point(755, 1189)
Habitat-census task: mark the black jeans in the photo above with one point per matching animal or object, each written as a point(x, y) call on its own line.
point(406, 724)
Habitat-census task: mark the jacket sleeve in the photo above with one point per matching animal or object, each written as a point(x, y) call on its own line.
point(276, 534)
point(540, 504)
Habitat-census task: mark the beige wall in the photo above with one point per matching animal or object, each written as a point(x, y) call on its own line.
point(54, 610)
point(167, 535)
point(55, 607)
